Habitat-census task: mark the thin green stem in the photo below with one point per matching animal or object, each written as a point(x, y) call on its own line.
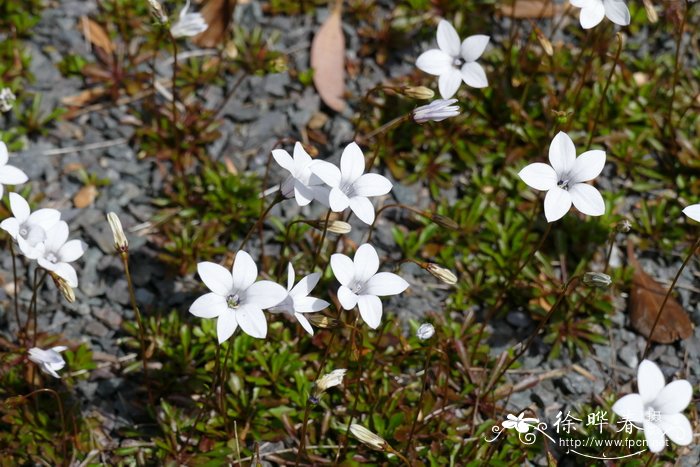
point(605, 91)
point(16, 291)
point(61, 414)
point(668, 294)
point(323, 239)
point(33, 303)
point(260, 220)
point(420, 400)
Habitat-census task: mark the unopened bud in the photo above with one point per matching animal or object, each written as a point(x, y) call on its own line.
point(597, 279)
point(325, 382)
point(624, 226)
point(544, 42)
point(121, 244)
point(425, 331)
point(444, 221)
point(323, 322)
point(368, 438)
point(417, 92)
point(333, 226)
point(62, 285)
point(7, 100)
point(445, 275)
point(158, 12)
point(651, 11)
point(436, 111)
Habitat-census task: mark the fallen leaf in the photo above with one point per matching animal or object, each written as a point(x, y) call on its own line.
point(96, 35)
point(328, 60)
point(85, 196)
point(529, 9)
point(218, 15)
point(646, 298)
point(83, 97)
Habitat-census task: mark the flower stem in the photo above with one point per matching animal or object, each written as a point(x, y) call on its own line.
point(420, 400)
point(61, 412)
point(364, 139)
point(33, 303)
point(302, 437)
point(16, 290)
point(260, 220)
point(323, 239)
point(668, 294)
point(139, 321)
point(605, 91)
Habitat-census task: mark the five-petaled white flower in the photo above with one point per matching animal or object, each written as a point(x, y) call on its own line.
point(361, 285)
point(301, 182)
point(188, 24)
point(50, 361)
point(436, 111)
point(658, 407)
point(593, 12)
point(564, 179)
point(26, 227)
point(9, 174)
point(297, 300)
point(454, 62)
point(349, 185)
point(521, 423)
point(235, 298)
point(693, 211)
point(56, 252)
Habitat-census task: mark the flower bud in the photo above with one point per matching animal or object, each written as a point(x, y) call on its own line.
point(62, 285)
point(597, 279)
point(652, 16)
point(7, 100)
point(325, 382)
point(334, 226)
point(121, 244)
point(444, 221)
point(444, 275)
point(368, 438)
point(417, 92)
point(158, 12)
point(624, 226)
point(436, 111)
point(544, 42)
point(323, 321)
point(425, 331)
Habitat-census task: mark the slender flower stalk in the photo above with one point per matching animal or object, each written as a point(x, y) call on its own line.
point(605, 90)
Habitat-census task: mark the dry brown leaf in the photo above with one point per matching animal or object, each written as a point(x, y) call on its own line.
point(328, 61)
point(646, 298)
point(83, 97)
point(85, 196)
point(96, 35)
point(529, 9)
point(218, 15)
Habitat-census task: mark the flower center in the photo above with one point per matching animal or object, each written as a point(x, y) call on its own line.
point(458, 62)
point(652, 415)
point(348, 189)
point(233, 301)
point(563, 184)
point(51, 257)
point(356, 287)
point(23, 231)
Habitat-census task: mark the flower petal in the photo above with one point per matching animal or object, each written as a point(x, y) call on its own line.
point(449, 82)
point(539, 176)
point(338, 200)
point(67, 273)
point(372, 185)
point(11, 175)
point(329, 173)
point(352, 163)
point(587, 199)
point(473, 47)
point(309, 304)
point(291, 277)
point(19, 206)
point(252, 320)
point(306, 285)
point(347, 298)
point(304, 323)
point(447, 38)
point(45, 218)
point(264, 294)
point(370, 310)
point(226, 325)
point(363, 209)
point(650, 381)
point(343, 268)
point(11, 226)
point(302, 193)
point(557, 202)
point(244, 271)
point(592, 15)
point(434, 62)
point(209, 305)
point(385, 283)
point(301, 157)
point(366, 262)
point(56, 237)
point(674, 397)
point(617, 12)
point(630, 407)
point(693, 211)
point(216, 277)
point(562, 154)
point(71, 250)
point(3, 154)
point(677, 427)
point(587, 166)
point(654, 436)
point(283, 158)
point(474, 75)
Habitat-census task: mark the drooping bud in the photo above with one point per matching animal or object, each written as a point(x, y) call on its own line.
point(325, 382)
point(444, 275)
point(368, 438)
point(444, 221)
point(121, 244)
point(334, 226)
point(417, 92)
point(651, 11)
point(597, 279)
point(544, 42)
point(323, 321)
point(425, 331)
point(62, 285)
point(158, 12)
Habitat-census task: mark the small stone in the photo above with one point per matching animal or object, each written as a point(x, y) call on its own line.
point(97, 329)
point(109, 317)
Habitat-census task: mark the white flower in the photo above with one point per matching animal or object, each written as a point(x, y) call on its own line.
point(593, 11)
point(350, 186)
point(297, 300)
point(54, 253)
point(454, 62)
point(7, 99)
point(235, 298)
point(325, 382)
point(26, 227)
point(520, 423)
point(658, 407)
point(693, 211)
point(301, 183)
point(188, 24)
point(9, 174)
point(436, 111)
point(362, 285)
point(425, 331)
point(564, 179)
point(50, 361)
